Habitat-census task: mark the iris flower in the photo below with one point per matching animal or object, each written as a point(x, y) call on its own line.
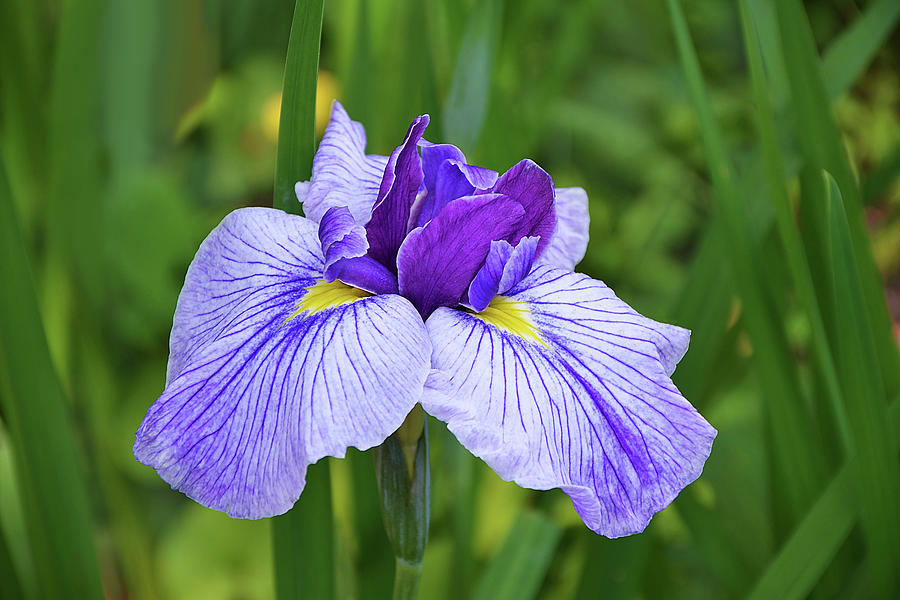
point(418, 279)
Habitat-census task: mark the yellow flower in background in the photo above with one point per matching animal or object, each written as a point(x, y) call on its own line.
point(326, 91)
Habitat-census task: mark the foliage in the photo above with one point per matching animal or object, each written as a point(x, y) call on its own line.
point(741, 161)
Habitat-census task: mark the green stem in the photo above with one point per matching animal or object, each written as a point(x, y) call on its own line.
point(406, 579)
point(404, 481)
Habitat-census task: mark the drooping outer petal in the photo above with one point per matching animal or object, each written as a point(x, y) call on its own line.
point(569, 242)
point(402, 180)
point(571, 390)
point(504, 267)
point(269, 372)
point(532, 187)
point(437, 262)
point(343, 174)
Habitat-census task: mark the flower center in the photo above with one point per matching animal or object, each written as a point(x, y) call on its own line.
point(323, 295)
point(512, 317)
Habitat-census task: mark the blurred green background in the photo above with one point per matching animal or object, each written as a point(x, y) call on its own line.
point(701, 131)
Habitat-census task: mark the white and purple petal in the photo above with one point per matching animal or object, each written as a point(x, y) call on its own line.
point(343, 174)
point(570, 240)
point(258, 387)
point(584, 404)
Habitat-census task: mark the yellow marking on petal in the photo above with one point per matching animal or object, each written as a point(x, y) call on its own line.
point(513, 317)
point(323, 295)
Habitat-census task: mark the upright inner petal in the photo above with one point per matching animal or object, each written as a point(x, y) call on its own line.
point(437, 262)
point(532, 187)
point(504, 267)
point(390, 215)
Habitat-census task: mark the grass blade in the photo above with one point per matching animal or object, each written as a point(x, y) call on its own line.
point(848, 56)
point(303, 541)
point(50, 477)
point(303, 538)
point(787, 229)
point(10, 587)
point(804, 557)
point(877, 484)
point(297, 125)
point(467, 101)
point(519, 567)
point(74, 200)
point(707, 284)
point(822, 148)
point(798, 469)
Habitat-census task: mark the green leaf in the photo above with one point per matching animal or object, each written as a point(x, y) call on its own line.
point(705, 300)
point(303, 538)
point(787, 229)
point(521, 564)
point(10, 588)
point(303, 541)
point(297, 125)
point(804, 557)
point(877, 484)
point(798, 470)
point(822, 148)
point(51, 480)
point(467, 101)
point(23, 62)
point(847, 57)
point(75, 197)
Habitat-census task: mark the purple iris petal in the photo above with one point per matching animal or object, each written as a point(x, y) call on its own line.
point(455, 179)
point(401, 182)
point(532, 187)
point(274, 364)
point(437, 262)
point(504, 267)
point(344, 245)
point(569, 242)
point(433, 156)
point(590, 410)
point(365, 273)
point(340, 236)
point(343, 174)
point(256, 391)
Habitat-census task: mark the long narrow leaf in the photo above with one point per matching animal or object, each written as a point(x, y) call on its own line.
point(823, 149)
point(798, 465)
point(710, 283)
point(877, 484)
point(787, 229)
point(804, 557)
point(303, 538)
point(50, 476)
point(75, 186)
point(848, 56)
point(467, 100)
point(10, 587)
point(519, 567)
point(297, 125)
